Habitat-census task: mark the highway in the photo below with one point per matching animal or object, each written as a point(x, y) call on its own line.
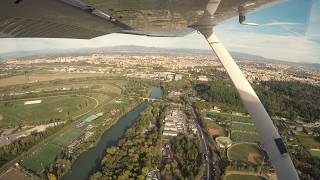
point(205, 143)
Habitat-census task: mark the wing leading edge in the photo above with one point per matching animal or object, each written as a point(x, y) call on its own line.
point(54, 19)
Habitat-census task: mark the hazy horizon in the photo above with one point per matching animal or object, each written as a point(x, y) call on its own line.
point(288, 31)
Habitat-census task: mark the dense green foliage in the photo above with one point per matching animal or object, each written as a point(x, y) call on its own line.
point(220, 92)
point(306, 164)
point(139, 152)
point(291, 99)
point(188, 159)
point(285, 99)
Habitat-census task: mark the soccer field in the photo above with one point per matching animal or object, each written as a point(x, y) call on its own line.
point(42, 158)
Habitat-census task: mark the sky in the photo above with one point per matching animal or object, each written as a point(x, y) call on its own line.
point(289, 30)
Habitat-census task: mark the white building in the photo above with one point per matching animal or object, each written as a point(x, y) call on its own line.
point(32, 102)
point(203, 78)
point(178, 77)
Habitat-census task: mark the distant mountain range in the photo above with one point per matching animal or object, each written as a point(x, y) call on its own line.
point(114, 49)
point(141, 50)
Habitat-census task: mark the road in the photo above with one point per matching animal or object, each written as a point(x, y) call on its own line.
point(205, 143)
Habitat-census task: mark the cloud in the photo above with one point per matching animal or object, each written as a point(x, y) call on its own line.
point(276, 23)
point(289, 48)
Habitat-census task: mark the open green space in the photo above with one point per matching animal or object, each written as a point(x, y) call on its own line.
point(245, 152)
point(66, 138)
point(15, 112)
point(212, 125)
point(309, 141)
point(226, 116)
point(42, 158)
point(243, 127)
point(315, 153)
point(243, 177)
point(245, 137)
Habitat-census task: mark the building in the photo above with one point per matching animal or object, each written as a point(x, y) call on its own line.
point(174, 123)
point(170, 133)
point(33, 102)
point(203, 78)
point(178, 77)
point(92, 117)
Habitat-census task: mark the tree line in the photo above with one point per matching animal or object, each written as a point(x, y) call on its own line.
point(281, 98)
point(139, 152)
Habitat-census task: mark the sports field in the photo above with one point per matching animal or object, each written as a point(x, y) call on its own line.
point(309, 141)
point(212, 125)
point(245, 137)
point(243, 177)
point(315, 153)
point(245, 152)
point(226, 116)
point(15, 112)
point(65, 138)
point(42, 158)
point(242, 127)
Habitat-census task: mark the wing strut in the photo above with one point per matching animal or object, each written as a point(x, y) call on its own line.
point(271, 139)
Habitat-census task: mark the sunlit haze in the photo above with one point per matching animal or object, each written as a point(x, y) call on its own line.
point(288, 31)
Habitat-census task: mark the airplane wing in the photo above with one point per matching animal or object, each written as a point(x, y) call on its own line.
point(87, 19)
point(53, 19)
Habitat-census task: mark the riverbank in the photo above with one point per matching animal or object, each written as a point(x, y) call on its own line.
point(94, 140)
point(88, 162)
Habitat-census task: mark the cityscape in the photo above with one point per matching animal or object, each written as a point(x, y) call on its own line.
point(181, 110)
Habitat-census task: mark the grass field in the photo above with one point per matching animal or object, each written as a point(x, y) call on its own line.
point(245, 152)
point(226, 116)
point(211, 124)
point(243, 127)
point(65, 138)
point(47, 76)
point(42, 158)
point(52, 107)
point(243, 177)
point(245, 137)
point(309, 141)
point(315, 153)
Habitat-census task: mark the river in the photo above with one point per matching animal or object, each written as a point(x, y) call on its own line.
point(89, 161)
